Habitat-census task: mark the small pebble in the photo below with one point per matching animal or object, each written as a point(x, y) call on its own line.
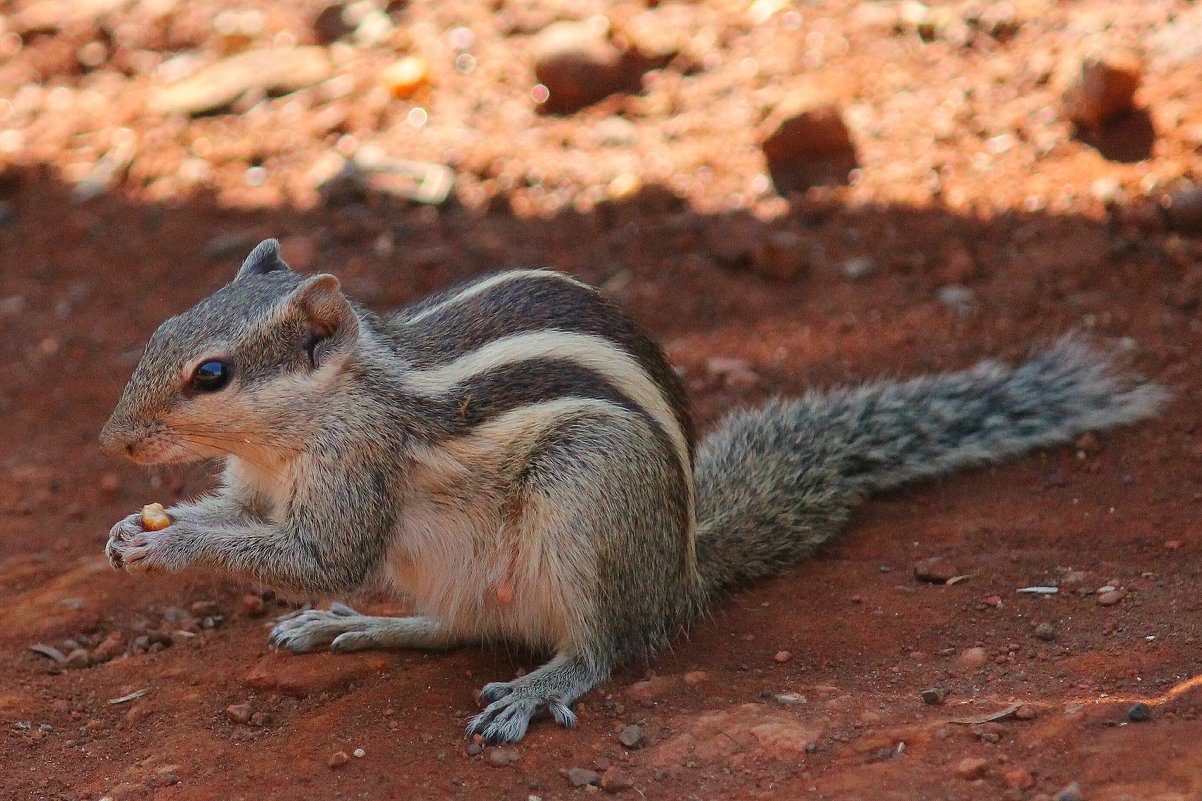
point(695, 677)
point(972, 768)
point(933, 696)
point(338, 759)
point(579, 777)
point(936, 570)
point(615, 780)
point(860, 268)
point(78, 658)
point(110, 647)
point(1026, 712)
point(1112, 597)
point(405, 77)
point(359, 753)
point(783, 656)
point(1139, 713)
point(1019, 778)
point(1045, 632)
point(252, 605)
point(632, 736)
point(503, 757)
point(1071, 792)
point(239, 714)
point(474, 749)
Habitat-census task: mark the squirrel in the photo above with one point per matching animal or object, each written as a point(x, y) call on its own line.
point(516, 456)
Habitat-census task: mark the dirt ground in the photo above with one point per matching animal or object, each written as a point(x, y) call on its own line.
point(967, 176)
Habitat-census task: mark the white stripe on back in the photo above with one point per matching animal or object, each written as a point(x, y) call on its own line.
point(480, 287)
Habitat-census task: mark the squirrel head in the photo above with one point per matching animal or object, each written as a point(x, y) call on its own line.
point(237, 373)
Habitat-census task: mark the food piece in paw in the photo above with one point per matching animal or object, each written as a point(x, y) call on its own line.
point(154, 517)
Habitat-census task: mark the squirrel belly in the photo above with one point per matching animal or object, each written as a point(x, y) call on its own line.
point(517, 456)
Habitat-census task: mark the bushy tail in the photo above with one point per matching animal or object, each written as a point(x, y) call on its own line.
point(774, 483)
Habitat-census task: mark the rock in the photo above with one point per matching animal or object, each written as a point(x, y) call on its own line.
point(252, 605)
point(1112, 597)
point(78, 658)
point(1019, 779)
point(578, 65)
point(474, 749)
point(1102, 86)
point(331, 24)
point(651, 690)
point(256, 71)
point(615, 780)
point(1071, 792)
point(1045, 632)
point(933, 696)
point(936, 570)
point(358, 753)
point(972, 658)
point(338, 759)
point(972, 768)
point(403, 78)
point(1139, 713)
point(783, 656)
point(579, 777)
point(860, 268)
point(803, 127)
point(695, 677)
point(283, 673)
point(781, 256)
point(1182, 209)
point(50, 652)
point(632, 736)
point(238, 713)
point(260, 719)
point(503, 757)
point(956, 297)
point(111, 647)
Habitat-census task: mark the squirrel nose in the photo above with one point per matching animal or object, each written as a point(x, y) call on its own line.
point(113, 438)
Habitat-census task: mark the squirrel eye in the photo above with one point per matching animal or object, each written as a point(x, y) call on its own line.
point(211, 376)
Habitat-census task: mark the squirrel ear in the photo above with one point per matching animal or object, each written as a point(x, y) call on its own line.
point(327, 312)
point(265, 258)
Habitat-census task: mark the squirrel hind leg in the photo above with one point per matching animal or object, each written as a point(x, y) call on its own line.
point(344, 629)
point(549, 690)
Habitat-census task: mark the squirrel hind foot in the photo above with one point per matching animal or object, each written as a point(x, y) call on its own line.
point(549, 690)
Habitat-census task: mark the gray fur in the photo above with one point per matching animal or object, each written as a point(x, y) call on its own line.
point(340, 476)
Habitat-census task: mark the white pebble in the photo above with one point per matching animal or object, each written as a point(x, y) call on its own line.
point(359, 753)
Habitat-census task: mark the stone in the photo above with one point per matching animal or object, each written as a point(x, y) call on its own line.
point(802, 127)
point(578, 65)
point(338, 759)
point(111, 647)
point(972, 658)
point(1019, 778)
point(783, 656)
point(1112, 596)
point(1045, 632)
point(1101, 86)
point(936, 570)
point(1139, 713)
point(405, 77)
point(317, 673)
point(220, 85)
point(252, 605)
point(632, 736)
point(971, 768)
point(239, 714)
point(650, 690)
point(933, 696)
point(503, 757)
point(615, 780)
point(860, 268)
point(695, 677)
point(579, 777)
point(78, 658)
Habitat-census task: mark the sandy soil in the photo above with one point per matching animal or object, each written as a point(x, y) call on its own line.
point(967, 175)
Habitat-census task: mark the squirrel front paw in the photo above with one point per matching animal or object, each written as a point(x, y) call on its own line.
point(132, 548)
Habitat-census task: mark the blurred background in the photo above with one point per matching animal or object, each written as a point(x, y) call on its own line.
point(788, 194)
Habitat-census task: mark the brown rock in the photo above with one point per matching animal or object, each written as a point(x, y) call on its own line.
point(972, 768)
point(283, 673)
point(632, 736)
point(783, 656)
point(252, 605)
point(255, 71)
point(503, 757)
point(579, 777)
point(78, 658)
point(1112, 597)
point(338, 759)
point(1019, 778)
point(651, 690)
point(972, 658)
point(695, 677)
point(1026, 712)
point(111, 647)
point(936, 570)
point(238, 713)
point(803, 127)
point(1045, 631)
point(578, 65)
point(1102, 86)
point(615, 780)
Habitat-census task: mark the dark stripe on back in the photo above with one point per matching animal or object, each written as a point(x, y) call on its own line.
point(537, 303)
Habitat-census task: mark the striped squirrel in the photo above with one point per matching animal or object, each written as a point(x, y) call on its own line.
point(516, 456)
